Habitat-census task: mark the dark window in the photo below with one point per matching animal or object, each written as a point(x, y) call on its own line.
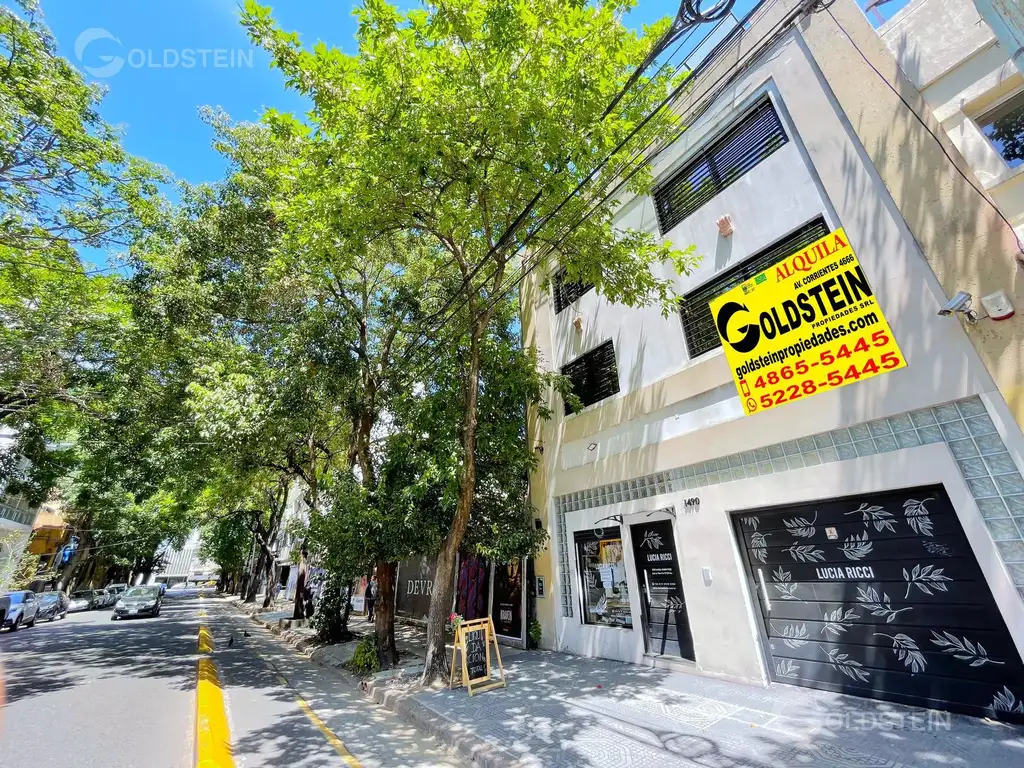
point(566, 293)
point(594, 376)
point(716, 166)
point(1004, 127)
point(698, 325)
point(604, 589)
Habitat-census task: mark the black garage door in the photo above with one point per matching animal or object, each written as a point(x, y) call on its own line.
point(881, 596)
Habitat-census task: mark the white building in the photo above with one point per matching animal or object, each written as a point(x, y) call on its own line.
point(185, 564)
point(789, 546)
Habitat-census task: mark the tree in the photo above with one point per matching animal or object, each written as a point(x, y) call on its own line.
point(17, 565)
point(473, 122)
point(64, 177)
point(227, 541)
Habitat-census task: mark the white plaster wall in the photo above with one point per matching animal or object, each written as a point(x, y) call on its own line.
point(930, 37)
point(722, 618)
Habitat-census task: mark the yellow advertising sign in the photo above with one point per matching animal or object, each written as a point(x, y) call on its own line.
point(806, 325)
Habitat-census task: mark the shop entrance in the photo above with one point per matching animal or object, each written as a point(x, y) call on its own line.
point(666, 624)
point(880, 595)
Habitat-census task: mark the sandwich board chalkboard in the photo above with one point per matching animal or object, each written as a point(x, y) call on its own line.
point(474, 640)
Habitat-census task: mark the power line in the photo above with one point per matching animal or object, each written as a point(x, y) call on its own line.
point(665, 144)
point(689, 16)
point(456, 297)
point(884, 79)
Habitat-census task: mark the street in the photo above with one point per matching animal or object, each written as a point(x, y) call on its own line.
point(87, 691)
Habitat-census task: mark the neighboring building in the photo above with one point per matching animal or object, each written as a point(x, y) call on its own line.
point(184, 564)
point(16, 518)
point(973, 88)
point(50, 534)
point(851, 540)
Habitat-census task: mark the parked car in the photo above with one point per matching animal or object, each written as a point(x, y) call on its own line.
point(23, 611)
point(110, 597)
point(87, 600)
point(5, 607)
point(53, 605)
point(117, 589)
point(138, 601)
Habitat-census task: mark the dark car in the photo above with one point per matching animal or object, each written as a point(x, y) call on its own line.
point(53, 605)
point(138, 601)
point(23, 611)
point(5, 608)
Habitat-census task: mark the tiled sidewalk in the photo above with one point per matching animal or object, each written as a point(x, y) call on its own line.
point(560, 710)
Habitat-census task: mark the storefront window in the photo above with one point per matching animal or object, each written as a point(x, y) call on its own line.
point(603, 579)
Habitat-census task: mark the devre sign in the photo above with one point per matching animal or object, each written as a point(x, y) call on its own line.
point(809, 324)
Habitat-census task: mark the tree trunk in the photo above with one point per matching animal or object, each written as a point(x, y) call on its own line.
point(269, 573)
point(299, 611)
point(254, 577)
point(348, 607)
point(444, 576)
point(384, 614)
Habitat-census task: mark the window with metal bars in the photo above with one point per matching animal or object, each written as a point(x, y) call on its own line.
point(699, 325)
point(566, 293)
point(756, 136)
point(594, 375)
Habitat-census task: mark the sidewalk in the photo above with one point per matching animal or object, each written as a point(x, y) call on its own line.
point(561, 710)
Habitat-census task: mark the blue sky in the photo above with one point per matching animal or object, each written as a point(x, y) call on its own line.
point(157, 104)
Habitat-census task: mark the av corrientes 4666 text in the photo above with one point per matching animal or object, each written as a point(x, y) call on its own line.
point(809, 324)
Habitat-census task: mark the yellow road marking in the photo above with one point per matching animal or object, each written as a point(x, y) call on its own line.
point(213, 736)
point(202, 614)
point(347, 757)
point(205, 640)
point(333, 740)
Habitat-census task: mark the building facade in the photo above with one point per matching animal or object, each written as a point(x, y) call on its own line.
point(859, 540)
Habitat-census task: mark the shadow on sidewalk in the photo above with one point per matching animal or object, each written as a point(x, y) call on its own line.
point(561, 710)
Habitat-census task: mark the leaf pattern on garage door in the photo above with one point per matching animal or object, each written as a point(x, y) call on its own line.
point(836, 622)
point(872, 514)
point(795, 635)
point(750, 522)
point(1005, 701)
point(925, 578)
point(906, 651)
point(786, 588)
point(849, 667)
point(918, 516)
point(934, 548)
point(856, 547)
point(786, 668)
point(879, 606)
point(801, 526)
point(805, 553)
point(963, 649)
point(759, 546)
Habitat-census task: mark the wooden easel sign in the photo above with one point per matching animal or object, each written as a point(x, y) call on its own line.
point(474, 640)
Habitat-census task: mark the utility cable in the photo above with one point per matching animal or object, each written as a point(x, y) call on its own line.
point(925, 125)
point(717, 87)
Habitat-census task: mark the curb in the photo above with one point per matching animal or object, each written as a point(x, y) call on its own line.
point(461, 740)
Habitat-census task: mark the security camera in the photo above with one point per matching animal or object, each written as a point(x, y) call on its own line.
point(960, 304)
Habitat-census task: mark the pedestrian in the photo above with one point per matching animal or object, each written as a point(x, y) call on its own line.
point(371, 598)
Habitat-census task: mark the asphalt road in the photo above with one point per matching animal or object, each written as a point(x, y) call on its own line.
point(88, 692)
